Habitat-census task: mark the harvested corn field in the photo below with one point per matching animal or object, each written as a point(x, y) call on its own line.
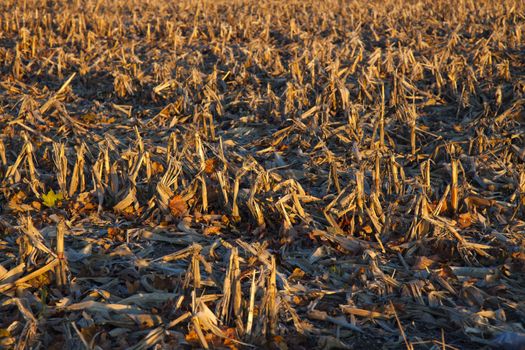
point(262, 174)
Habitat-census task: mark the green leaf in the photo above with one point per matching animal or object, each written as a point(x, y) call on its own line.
point(51, 198)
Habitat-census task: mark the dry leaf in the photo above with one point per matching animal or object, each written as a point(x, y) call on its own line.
point(279, 342)
point(211, 165)
point(422, 263)
point(211, 230)
point(297, 274)
point(367, 229)
point(157, 168)
point(177, 206)
point(329, 148)
point(116, 234)
point(465, 220)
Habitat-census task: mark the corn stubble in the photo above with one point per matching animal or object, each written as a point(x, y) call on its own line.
point(246, 174)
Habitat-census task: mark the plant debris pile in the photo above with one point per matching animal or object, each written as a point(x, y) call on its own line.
point(262, 174)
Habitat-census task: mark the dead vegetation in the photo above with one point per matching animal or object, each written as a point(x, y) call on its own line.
point(247, 174)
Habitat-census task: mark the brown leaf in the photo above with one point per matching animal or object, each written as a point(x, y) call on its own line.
point(131, 212)
point(465, 220)
point(178, 206)
point(132, 287)
point(89, 332)
point(422, 262)
point(231, 334)
point(297, 274)
point(157, 168)
point(297, 300)
point(192, 337)
point(89, 117)
point(211, 165)
point(212, 230)
point(116, 234)
point(367, 229)
point(279, 342)
point(163, 283)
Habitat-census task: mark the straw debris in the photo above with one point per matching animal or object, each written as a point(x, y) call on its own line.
point(262, 174)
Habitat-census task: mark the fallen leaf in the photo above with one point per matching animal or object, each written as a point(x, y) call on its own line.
point(132, 287)
point(177, 206)
point(231, 334)
point(297, 300)
point(297, 274)
point(367, 229)
point(116, 234)
point(192, 337)
point(422, 262)
point(465, 220)
point(89, 117)
point(51, 198)
point(279, 341)
point(211, 165)
point(212, 230)
point(157, 168)
point(89, 332)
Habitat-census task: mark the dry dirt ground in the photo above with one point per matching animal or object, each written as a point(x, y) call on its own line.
point(262, 174)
